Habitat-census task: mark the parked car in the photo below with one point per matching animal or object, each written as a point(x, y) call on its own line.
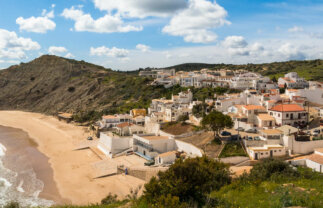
point(225, 133)
point(149, 163)
point(257, 138)
point(253, 130)
point(90, 138)
point(240, 129)
point(316, 132)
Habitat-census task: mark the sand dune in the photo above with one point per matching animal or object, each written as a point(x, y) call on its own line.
point(71, 169)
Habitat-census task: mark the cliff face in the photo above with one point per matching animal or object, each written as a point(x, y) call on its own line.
point(50, 84)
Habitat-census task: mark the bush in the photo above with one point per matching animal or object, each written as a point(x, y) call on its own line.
point(272, 169)
point(110, 199)
point(190, 180)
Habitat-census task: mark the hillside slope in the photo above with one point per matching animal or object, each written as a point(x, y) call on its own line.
point(50, 84)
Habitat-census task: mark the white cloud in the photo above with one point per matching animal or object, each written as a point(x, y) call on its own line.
point(142, 47)
point(57, 50)
point(111, 52)
point(235, 42)
point(295, 29)
point(37, 24)
point(106, 24)
point(69, 55)
point(291, 52)
point(14, 47)
point(197, 21)
point(141, 8)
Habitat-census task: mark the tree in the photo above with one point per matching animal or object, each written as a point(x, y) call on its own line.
point(199, 110)
point(274, 79)
point(216, 122)
point(190, 180)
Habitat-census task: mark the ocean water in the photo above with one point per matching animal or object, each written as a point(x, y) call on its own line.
point(20, 186)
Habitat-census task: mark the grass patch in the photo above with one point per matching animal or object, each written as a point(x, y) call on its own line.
point(233, 149)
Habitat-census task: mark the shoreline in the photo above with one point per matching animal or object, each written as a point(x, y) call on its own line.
point(23, 158)
point(71, 169)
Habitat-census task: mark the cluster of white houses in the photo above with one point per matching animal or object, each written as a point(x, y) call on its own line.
point(260, 106)
point(239, 79)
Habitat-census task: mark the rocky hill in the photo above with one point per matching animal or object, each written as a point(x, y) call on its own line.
point(50, 84)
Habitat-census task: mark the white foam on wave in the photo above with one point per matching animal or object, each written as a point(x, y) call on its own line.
point(19, 187)
point(4, 183)
point(12, 183)
point(2, 150)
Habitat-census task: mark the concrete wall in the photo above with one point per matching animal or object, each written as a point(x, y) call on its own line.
point(151, 127)
point(188, 148)
point(234, 160)
point(315, 166)
point(313, 95)
point(165, 160)
point(109, 145)
point(301, 147)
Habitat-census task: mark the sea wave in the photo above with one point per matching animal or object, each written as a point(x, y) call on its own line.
point(22, 187)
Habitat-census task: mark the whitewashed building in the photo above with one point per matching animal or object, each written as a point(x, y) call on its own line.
point(292, 80)
point(289, 114)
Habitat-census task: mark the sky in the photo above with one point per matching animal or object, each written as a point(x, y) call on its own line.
point(132, 34)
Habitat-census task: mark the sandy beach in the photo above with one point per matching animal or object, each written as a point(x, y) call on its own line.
point(72, 171)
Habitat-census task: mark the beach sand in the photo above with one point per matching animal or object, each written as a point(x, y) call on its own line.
point(72, 170)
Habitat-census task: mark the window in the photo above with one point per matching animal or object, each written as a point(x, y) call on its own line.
point(278, 114)
point(261, 153)
point(279, 150)
point(275, 151)
point(271, 113)
point(287, 115)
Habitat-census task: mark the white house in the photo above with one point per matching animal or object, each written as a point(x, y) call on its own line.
point(274, 150)
point(289, 114)
point(313, 161)
point(150, 146)
point(292, 80)
point(111, 145)
point(166, 158)
point(265, 120)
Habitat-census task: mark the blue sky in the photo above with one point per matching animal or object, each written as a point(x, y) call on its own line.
point(128, 34)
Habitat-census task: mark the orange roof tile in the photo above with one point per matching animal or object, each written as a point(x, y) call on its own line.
point(266, 117)
point(287, 108)
point(254, 107)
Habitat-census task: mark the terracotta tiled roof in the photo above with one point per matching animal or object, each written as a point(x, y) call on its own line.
point(266, 117)
point(287, 108)
point(254, 107)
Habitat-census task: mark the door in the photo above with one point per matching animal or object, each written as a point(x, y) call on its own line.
point(256, 156)
point(291, 116)
point(144, 152)
point(271, 153)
